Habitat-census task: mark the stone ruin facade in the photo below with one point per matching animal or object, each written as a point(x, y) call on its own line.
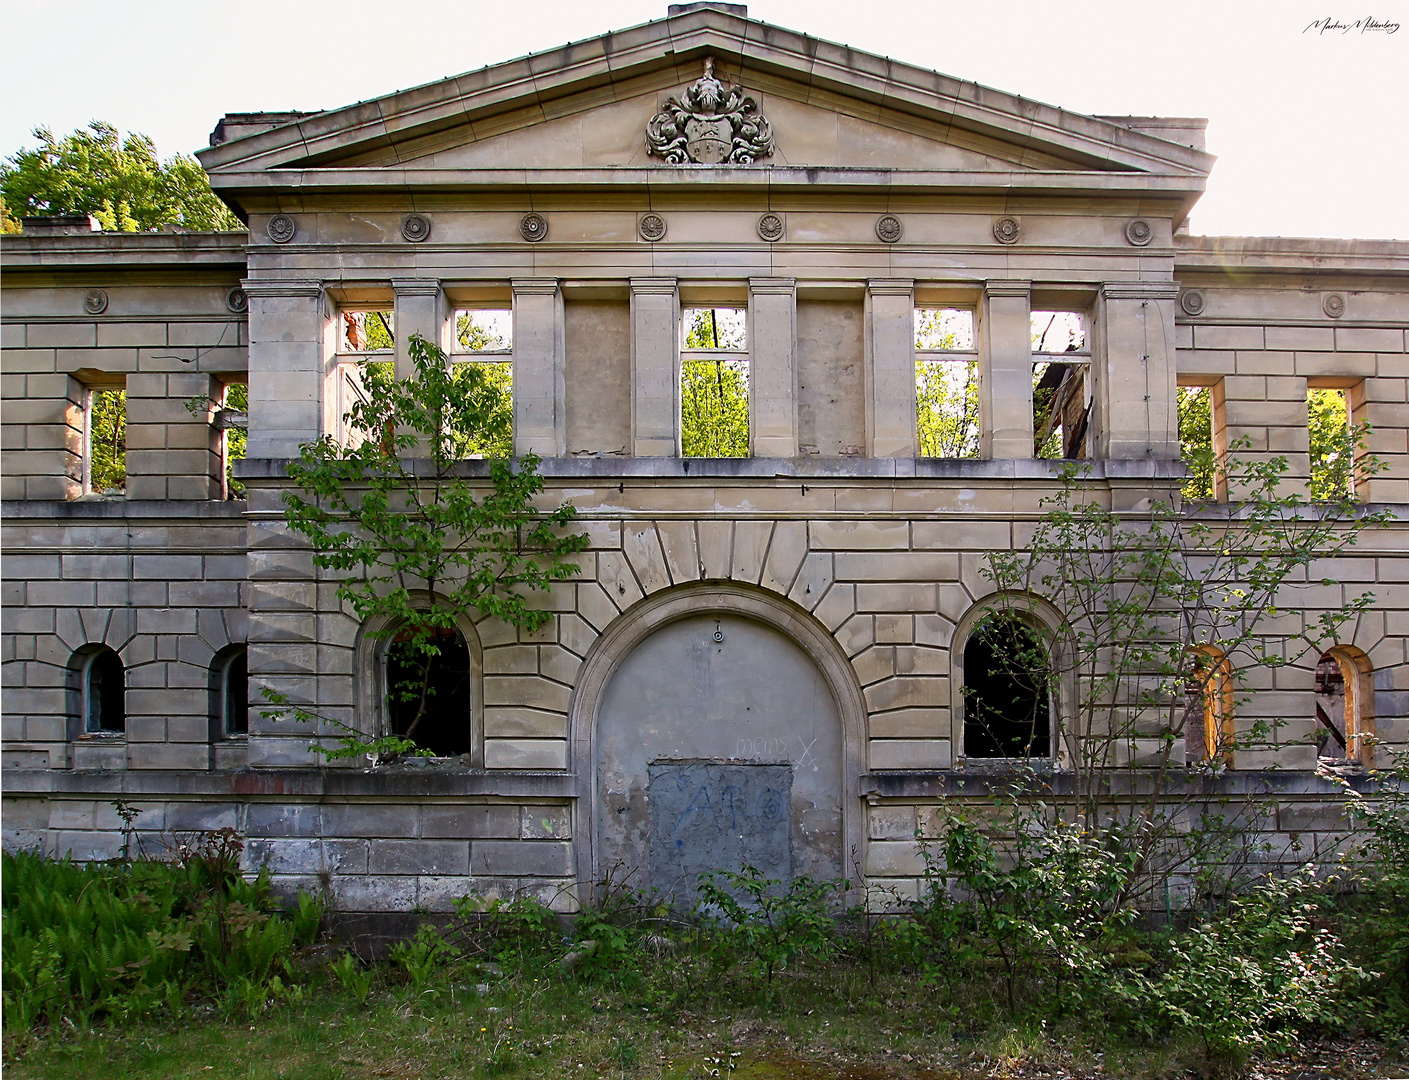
point(765, 646)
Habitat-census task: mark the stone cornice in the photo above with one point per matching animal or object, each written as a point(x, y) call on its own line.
point(1289, 254)
point(110, 250)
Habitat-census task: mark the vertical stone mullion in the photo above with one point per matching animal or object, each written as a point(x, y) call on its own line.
point(890, 368)
point(772, 339)
point(1133, 370)
point(289, 355)
point(540, 408)
point(1005, 370)
point(420, 309)
point(655, 367)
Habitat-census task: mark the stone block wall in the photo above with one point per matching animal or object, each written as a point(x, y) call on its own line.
point(162, 584)
point(1259, 327)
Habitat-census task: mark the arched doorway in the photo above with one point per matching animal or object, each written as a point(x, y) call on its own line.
point(717, 727)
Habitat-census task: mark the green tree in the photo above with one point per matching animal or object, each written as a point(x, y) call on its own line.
point(1138, 595)
point(946, 391)
point(497, 437)
point(120, 181)
point(394, 514)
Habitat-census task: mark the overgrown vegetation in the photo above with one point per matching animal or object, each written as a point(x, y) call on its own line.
point(1012, 952)
point(117, 940)
point(414, 540)
point(1132, 633)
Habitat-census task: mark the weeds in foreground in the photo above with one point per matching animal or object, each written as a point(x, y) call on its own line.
point(999, 955)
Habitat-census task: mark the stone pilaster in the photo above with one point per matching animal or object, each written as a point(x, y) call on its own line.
point(289, 355)
point(1005, 370)
point(655, 367)
point(1134, 398)
point(890, 368)
point(772, 339)
point(540, 406)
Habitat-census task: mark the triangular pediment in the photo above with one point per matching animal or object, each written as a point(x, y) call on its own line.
point(586, 107)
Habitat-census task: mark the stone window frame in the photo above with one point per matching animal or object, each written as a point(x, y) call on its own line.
point(1082, 357)
point(1357, 673)
point(374, 638)
point(1043, 616)
point(970, 355)
point(222, 666)
point(343, 366)
point(81, 709)
point(716, 300)
point(93, 383)
point(1218, 425)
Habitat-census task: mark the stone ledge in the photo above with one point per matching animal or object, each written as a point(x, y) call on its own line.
point(302, 783)
point(976, 783)
point(229, 511)
point(790, 469)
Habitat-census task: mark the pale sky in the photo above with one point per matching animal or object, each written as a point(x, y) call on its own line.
point(1310, 128)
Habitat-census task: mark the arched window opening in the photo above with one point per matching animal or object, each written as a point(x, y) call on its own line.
point(104, 694)
point(430, 698)
point(1007, 693)
point(234, 695)
point(1345, 726)
point(1208, 713)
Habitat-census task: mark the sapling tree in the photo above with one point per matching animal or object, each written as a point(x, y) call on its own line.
point(392, 511)
point(1156, 611)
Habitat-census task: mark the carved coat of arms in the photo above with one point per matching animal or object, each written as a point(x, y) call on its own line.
point(710, 125)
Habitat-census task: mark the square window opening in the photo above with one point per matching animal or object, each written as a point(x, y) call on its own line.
point(105, 442)
point(1061, 384)
point(1332, 443)
point(1195, 405)
point(714, 383)
point(232, 417)
point(482, 365)
point(946, 383)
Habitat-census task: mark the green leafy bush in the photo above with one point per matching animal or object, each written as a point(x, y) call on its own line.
point(1248, 978)
point(770, 921)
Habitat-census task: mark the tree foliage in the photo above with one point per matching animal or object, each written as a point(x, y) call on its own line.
point(392, 511)
point(946, 391)
point(120, 181)
point(1196, 440)
point(107, 441)
point(714, 392)
point(1136, 598)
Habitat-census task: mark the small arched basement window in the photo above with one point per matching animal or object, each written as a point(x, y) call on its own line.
point(431, 699)
point(1007, 691)
point(229, 687)
point(104, 693)
point(1345, 721)
point(1208, 714)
